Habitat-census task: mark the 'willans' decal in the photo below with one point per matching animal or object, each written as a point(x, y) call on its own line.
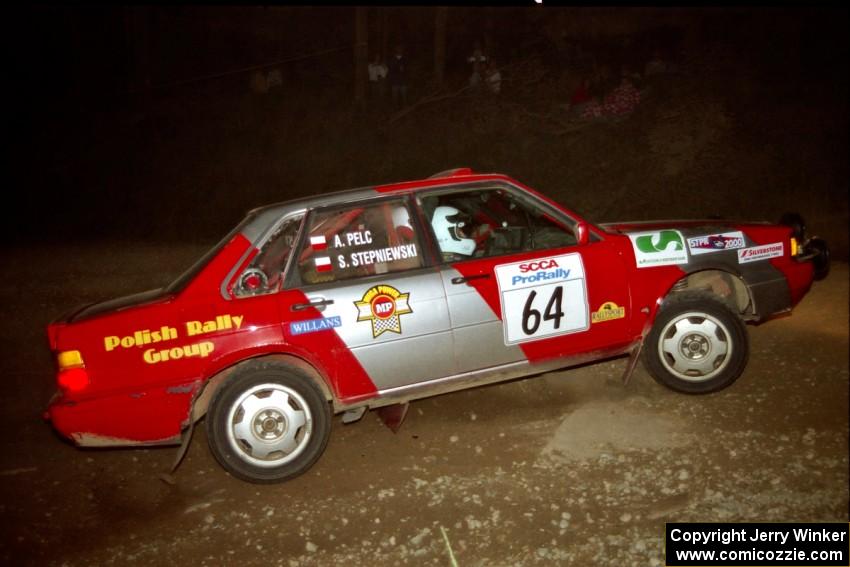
point(314, 325)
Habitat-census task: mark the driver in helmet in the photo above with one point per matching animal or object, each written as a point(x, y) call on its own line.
point(448, 223)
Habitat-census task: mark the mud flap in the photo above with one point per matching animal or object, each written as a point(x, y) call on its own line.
point(184, 446)
point(353, 415)
point(634, 355)
point(393, 416)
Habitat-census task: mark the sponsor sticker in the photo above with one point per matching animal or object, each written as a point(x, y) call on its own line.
point(659, 248)
point(764, 252)
point(144, 337)
point(543, 297)
point(381, 255)
point(607, 312)
point(383, 305)
point(716, 242)
point(314, 325)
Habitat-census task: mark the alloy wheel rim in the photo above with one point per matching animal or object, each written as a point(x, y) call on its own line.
point(269, 425)
point(695, 346)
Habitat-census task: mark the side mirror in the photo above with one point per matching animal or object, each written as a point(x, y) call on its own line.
point(582, 233)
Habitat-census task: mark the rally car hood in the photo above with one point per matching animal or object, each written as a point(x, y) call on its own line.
point(638, 226)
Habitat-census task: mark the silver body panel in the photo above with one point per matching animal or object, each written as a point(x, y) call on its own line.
point(478, 331)
point(493, 375)
point(421, 351)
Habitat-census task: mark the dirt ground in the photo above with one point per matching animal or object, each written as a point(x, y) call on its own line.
point(571, 468)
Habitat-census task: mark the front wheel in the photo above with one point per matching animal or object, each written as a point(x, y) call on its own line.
point(268, 423)
point(697, 344)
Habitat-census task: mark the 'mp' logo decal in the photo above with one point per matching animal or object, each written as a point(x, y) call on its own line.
point(383, 305)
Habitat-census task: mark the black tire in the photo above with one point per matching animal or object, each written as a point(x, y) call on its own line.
point(697, 344)
point(821, 260)
point(268, 423)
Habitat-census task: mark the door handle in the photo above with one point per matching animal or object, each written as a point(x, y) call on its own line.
point(320, 304)
point(464, 279)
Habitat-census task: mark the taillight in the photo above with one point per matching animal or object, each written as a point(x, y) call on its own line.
point(73, 379)
point(73, 376)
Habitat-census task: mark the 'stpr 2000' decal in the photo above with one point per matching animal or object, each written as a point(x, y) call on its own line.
point(543, 298)
point(659, 248)
point(383, 305)
point(716, 242)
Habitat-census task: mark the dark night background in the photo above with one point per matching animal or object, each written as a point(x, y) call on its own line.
point(137, 137)
point(136, 123)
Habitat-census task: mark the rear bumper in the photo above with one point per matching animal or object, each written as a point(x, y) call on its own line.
point(153, 417)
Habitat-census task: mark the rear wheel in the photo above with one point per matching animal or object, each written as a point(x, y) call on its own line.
point(819, 248)
point(268, 423)
point(697, 344)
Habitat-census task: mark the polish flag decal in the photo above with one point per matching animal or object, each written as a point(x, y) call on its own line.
point(318, 242)
point(323, 264)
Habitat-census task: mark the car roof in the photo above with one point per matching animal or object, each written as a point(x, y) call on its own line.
point(259, 220)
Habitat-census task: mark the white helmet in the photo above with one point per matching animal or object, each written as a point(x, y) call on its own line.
point(446, 222)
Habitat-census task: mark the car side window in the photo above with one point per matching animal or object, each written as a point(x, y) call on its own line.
point(491, 222)
point(357, 241)
point(265, 273)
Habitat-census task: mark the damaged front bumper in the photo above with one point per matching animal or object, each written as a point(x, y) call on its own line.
point(816, 251)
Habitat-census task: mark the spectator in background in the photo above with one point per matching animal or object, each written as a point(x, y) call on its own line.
point(397, 77)
point(581, 95)
point(377, 78)
point(623, 99)
point(620, 101)
point(478, 61)
point(656, 65)
point(274, 79)
point(258, 83)
point(493, 78)
point(263, 82)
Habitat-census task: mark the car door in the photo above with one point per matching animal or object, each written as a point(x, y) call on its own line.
point(518, 285)
point(362, 267)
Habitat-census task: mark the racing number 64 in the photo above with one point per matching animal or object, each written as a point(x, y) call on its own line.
point(554, 311)
point(543, 303)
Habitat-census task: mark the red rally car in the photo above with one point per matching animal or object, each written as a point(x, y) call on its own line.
point(370, 298)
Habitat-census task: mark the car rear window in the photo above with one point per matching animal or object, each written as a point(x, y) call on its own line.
point(183, 279)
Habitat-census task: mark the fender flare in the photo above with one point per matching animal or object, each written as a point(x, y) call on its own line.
point(201, 401)
point(741, 297)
